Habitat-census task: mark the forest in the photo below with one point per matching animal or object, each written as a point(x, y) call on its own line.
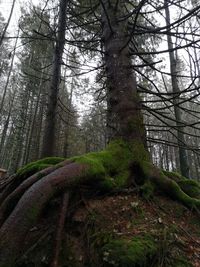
point(99, 133)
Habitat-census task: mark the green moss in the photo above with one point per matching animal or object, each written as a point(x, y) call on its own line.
point(168, 186)
point(136, 252)
point(109, 167)
point(122, 178)
point(190, 187)
point(140, 153)
point(147, 168)
point(51, 160)
point(96, 168)
point(100, 238)
point(31, 168)
point(174, 175)
point(147, 190)
point(107, 184)
point(38, 165)
point(181, 262)
point(122, 156)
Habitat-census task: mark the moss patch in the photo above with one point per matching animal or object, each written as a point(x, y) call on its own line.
point(181, 262)
point(38, 165)
point(138, 251)
point(147, 190)
point(190, 187)
point(175, 176)
point(110, 167)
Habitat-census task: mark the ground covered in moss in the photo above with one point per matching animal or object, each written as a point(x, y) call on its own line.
point(121, 230)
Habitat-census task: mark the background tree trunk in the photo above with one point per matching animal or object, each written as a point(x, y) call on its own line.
point(184, 167)
point(49, 132)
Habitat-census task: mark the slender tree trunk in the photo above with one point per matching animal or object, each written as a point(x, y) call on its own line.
point(49, 133)
point(66, 130)
point(184, 167)
point(33, 122)
point(6, 153)
point(18, 146)
point(9, 74)
point(27, 131)
point(5, 128)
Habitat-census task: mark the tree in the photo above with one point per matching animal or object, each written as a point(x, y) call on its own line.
point(49, 134)
point(124, 161)
point(34, 65)
point(175, 88)
point(3, 49)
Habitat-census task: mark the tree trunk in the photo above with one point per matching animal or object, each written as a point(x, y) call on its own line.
point(5, 128)
point(9, 75)
point(49, 133)
point(184, 167)
point(124, 113)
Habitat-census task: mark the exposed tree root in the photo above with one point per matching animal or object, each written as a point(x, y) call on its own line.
point(107, 170)
point(29, 207)
point(35, 170)
point(9, 200)
point(168, 186)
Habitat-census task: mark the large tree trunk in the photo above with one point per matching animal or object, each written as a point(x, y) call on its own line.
point(124, 113)
point(49, 133)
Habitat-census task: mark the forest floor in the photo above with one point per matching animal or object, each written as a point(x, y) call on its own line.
point(92, 221)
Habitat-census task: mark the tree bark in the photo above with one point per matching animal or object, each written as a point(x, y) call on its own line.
point(10, 197)
point(9, 74)
point(5, 128)
point(49, 132)
point(25, 215)
point(184, 167)
point(124, 111)
point(60, 227)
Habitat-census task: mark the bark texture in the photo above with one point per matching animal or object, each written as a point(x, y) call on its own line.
point(124, 111)
point(25, 214)
point(61, 223)
point(11, 196)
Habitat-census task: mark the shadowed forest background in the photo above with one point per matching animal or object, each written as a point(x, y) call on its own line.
point(99, 98)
